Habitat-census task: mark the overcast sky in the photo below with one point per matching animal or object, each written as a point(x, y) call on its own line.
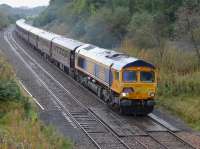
point(26, 3)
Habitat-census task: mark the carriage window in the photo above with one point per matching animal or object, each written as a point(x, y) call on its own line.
point(65, 54)
point(147, 76)
point(82, 63)
point(129, 76)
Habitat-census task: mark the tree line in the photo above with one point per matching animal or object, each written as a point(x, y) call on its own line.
point(107, 23)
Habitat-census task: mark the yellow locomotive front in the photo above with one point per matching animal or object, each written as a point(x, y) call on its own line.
point(137, 87)
point(138, 83)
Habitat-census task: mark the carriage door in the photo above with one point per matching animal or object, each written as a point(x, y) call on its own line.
point(72, 59)
point(37, 40)
point(72, 64)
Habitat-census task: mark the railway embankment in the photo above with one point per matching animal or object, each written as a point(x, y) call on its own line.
point(20, 126)
point(179, 90)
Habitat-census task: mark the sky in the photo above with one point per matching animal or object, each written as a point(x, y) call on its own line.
point(25, 3)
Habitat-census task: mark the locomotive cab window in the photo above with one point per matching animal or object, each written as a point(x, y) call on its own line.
point(147, 76)
point(129, 76)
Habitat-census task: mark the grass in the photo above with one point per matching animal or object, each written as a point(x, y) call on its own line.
point(186, 107)
point(175, 84)
point(20, 126)
point(22, 129)
point(180, 94)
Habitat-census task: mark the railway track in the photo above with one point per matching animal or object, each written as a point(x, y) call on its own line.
point(101, 134)
point(169, 138)
point(163, 137)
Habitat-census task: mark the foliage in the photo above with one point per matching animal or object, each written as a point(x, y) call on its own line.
point(107, 22)
point(9, 90)
point(141, 30)
point(4, 21)
point(188, 24)
point(107, 32)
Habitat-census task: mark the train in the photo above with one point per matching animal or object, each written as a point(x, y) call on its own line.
point(123, 82)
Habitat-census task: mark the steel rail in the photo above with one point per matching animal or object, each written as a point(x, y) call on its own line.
point(173, 134)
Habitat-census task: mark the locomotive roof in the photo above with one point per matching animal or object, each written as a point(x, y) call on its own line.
point(109, 57)
point(67, 42)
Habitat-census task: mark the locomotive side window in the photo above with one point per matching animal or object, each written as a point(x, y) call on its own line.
point(107, 73)
point(96, 70)
point(82, 63)
point(129, 76)
point(147, 76)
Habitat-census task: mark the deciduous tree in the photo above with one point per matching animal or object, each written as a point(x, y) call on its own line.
point(188, 23)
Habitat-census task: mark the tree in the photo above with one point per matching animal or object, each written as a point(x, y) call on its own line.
point(188, 24)
point(4, 21)
point(107, 28)
point(141, 30)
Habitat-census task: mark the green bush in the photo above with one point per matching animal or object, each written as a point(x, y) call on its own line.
point(9, 90)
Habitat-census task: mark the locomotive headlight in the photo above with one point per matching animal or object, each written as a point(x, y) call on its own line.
point(124, 94)
point(152, 94)
point(127, 91)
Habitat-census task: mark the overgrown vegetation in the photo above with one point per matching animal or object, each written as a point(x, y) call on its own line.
point(19, 124)
point(166, 33)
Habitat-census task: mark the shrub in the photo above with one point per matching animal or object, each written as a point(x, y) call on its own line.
point(9, 90)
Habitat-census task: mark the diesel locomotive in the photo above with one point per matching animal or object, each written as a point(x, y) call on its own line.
point(119, 80)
